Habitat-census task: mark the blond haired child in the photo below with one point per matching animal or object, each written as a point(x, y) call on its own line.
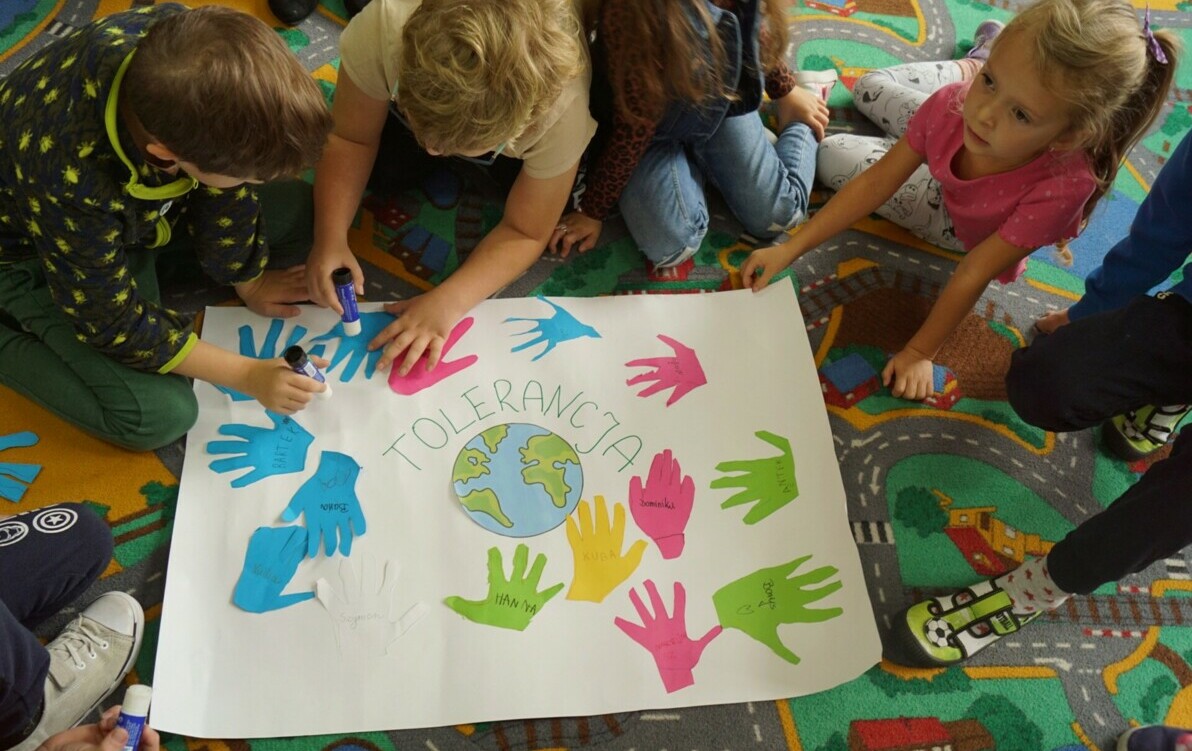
point(999, 165)
point(139, 134)
point(477, 79)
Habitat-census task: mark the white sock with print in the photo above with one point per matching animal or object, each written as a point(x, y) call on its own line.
point(1031, 589)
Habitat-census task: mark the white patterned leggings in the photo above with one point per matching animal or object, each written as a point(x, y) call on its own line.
point(889, 97)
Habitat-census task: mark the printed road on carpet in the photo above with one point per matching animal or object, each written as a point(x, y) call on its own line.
point(940, 494)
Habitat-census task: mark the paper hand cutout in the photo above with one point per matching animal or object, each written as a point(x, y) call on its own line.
point(328, 499)
point(769, 482)
point(599, 565)
point(665, 636)
point(279, 450)
point(354, 349)
point(681, 372)
point(513, 602)
point(759, 602)
point(268, 350)
point(14, 476)
point(270, 561)
point(364, 610)
point(420, 378)
point(559, 328)
point(662, 506)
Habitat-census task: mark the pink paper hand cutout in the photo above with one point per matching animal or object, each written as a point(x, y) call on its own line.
point(662, 506)
point(665, 637)
point(682, 372)
point(420, 378)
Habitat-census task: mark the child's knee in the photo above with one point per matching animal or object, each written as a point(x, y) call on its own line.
point(159, 419)
point(872, 81)
point(89, 540)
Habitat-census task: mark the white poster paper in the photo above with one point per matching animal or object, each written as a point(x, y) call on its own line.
point(590, 506)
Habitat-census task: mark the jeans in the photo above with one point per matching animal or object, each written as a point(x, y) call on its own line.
point(766, 187)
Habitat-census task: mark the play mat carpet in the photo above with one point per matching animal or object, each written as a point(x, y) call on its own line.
point(939, 494)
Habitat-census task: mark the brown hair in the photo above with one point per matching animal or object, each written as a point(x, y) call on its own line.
point(220, 89)
point(475, 74)
point(1096, 54)
point(659, 43)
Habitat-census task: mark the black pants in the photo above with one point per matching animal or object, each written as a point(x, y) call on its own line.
point(48, 557)
point(1091, 370)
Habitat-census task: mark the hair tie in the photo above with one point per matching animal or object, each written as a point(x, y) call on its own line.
point(1152, 44)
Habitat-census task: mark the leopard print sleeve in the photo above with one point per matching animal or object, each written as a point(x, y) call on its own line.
point(619, 153)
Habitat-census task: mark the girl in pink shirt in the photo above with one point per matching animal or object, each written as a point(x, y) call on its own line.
point(995, 165)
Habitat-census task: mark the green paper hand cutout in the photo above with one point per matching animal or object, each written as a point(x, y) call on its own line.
point(513, 602)
point(768, 482)
point(759, 602)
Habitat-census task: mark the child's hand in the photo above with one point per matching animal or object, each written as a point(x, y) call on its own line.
point(104, 736)
point(911, 374)
point(802, 106)
point(577, 232)
point(762, 264)
point(423, 325)
point(278, 388)
point(322, 261)
point(267, 294)
point(1052, 321)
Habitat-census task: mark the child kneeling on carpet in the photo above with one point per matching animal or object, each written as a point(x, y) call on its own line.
point(1121, 350)
point(137, 135)
point(686, 80)
point(476, 80)
point(995, 166)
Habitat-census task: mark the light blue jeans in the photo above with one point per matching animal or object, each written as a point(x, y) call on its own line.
point(766, 186)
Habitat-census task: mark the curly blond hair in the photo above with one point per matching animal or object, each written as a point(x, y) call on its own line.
point(475, 74)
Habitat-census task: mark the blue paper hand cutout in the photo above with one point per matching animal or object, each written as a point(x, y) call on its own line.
point(248, 348)
point(560, 327)
point(272, 558)
point(15, 477)
point(279, 450)
point(354, 349)
point(329, 501)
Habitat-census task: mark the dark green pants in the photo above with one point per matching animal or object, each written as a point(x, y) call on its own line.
point(41, 358)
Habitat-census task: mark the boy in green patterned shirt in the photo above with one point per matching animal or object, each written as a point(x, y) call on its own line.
point(142, 133)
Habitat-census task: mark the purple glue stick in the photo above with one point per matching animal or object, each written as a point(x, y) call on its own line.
point(345, 291)
point(298, 361)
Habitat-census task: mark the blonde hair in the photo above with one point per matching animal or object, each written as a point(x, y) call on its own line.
point(220, 89)
point(1099, 60)
point(665, 57)
point(475, 74)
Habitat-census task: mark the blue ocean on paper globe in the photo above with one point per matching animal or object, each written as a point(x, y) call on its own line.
point(517, 479)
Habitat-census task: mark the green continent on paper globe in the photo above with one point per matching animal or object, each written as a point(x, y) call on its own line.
point(517, 479)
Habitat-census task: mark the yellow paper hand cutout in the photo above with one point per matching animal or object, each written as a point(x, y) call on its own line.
point(600, 566)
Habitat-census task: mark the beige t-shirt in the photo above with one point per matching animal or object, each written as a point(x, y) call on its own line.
point(370, 48)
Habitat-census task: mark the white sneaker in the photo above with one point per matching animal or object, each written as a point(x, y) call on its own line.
point(818, 82)
point(88, 661)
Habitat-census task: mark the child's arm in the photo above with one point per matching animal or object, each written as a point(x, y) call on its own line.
point(340, 178)
point(503, 255)
point(858, 198)
point(270, 382)
point(909, 373)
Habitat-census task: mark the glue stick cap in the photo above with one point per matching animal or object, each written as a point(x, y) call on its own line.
point(342, 275)
point(136, 700)
point(294, 355)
